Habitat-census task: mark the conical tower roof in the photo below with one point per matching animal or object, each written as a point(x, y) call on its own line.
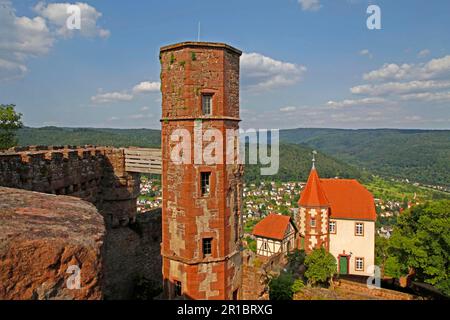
point(313, 194)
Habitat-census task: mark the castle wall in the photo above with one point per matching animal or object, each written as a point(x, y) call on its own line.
point(96, 175)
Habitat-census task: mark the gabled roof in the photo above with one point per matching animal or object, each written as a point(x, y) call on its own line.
point(346, 198)
point(349, 199)
point(274, 226)
point(313, 194)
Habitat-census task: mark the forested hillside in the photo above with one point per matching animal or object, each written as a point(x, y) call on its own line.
point(419, 155)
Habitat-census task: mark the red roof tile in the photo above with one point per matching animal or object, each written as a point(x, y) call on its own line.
point(313, 194)
point(349, 199)
point(273, 226)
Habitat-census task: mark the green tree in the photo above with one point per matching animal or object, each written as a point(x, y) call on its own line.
point(9, 124)
point(280, 288)
point(381, 252)
point(296, 259)
point(421, 241)
point(320, 267)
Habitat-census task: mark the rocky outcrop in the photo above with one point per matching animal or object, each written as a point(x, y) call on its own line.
point(47, 244)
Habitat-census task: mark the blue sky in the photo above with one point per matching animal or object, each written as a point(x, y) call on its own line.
point(306, 63)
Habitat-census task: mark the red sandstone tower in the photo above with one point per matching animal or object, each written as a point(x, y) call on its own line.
point(201, 223)
point(313, 216)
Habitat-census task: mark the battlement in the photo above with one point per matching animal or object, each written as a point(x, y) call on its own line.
point(94, 174)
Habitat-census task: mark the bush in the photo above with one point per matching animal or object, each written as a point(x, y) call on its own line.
point(321, 266)
point(280, 288)
point(298, 285)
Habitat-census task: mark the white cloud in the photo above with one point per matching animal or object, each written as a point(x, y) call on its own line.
point(436, 68)
point(288, 109)
point(423, 53)
point(355, 102)
point(366, 52)
point(399, 87)
point(24, 37)
point(147, 87)
point(145, 108)
point(264, 73)
point(111, 97)
point(427, 97)
point(56, 14)
point(310, 5)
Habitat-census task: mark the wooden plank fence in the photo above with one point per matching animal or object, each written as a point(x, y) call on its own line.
point(143, 160)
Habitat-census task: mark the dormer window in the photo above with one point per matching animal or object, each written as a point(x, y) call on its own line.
point(207, 104)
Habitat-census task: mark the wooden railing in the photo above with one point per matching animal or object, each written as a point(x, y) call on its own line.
point(143, 160)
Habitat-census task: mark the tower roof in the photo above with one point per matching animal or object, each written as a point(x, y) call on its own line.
point(200, 44)
point(313, 195)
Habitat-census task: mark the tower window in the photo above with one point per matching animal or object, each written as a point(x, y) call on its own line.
point(206, 104)
point(313, 222)
point(207, 246)
point(332, 227)
point(205, 178)
point(359, 229)
point(178, 289)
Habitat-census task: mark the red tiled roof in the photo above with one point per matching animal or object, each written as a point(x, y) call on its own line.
point(349, 199)
point(313, 194)
point(273, 226)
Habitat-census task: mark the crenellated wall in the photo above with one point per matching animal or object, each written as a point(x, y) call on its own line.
point(94, 174)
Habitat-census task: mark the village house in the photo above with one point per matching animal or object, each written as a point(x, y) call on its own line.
point(274, 234)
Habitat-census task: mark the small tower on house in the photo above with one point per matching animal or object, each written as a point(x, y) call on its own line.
point(201, 221)
point(313, 214)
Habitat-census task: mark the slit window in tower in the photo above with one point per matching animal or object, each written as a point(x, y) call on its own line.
point(205, 183)
point(207, 246)
point(178, 289)
point(206, 104)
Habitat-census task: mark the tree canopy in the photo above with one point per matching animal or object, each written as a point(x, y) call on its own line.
point(9, 124)
point(421, 241)
point(321, 266)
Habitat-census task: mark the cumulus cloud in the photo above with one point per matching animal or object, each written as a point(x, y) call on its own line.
point(423, 53)
point(127, 95)
point(24, 37)
point(355, 102)
point(109, 97)
point(435, 68)
point(310, 5)
point(399, 87)
point(264, 73)
point(56, 15)
point(147, 87)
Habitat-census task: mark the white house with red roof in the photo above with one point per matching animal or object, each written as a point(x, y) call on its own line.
point(338, 214)
point(274, 234)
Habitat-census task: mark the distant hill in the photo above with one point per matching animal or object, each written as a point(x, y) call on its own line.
point(83, 136)
point(419, 155)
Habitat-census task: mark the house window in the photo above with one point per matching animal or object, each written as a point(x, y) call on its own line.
point(313, 222)
point(207, 247)
point(206, 104)
point(359, 229)
point(178, 289)
point(359, 264)
point(205, 183)
point(332, 227)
